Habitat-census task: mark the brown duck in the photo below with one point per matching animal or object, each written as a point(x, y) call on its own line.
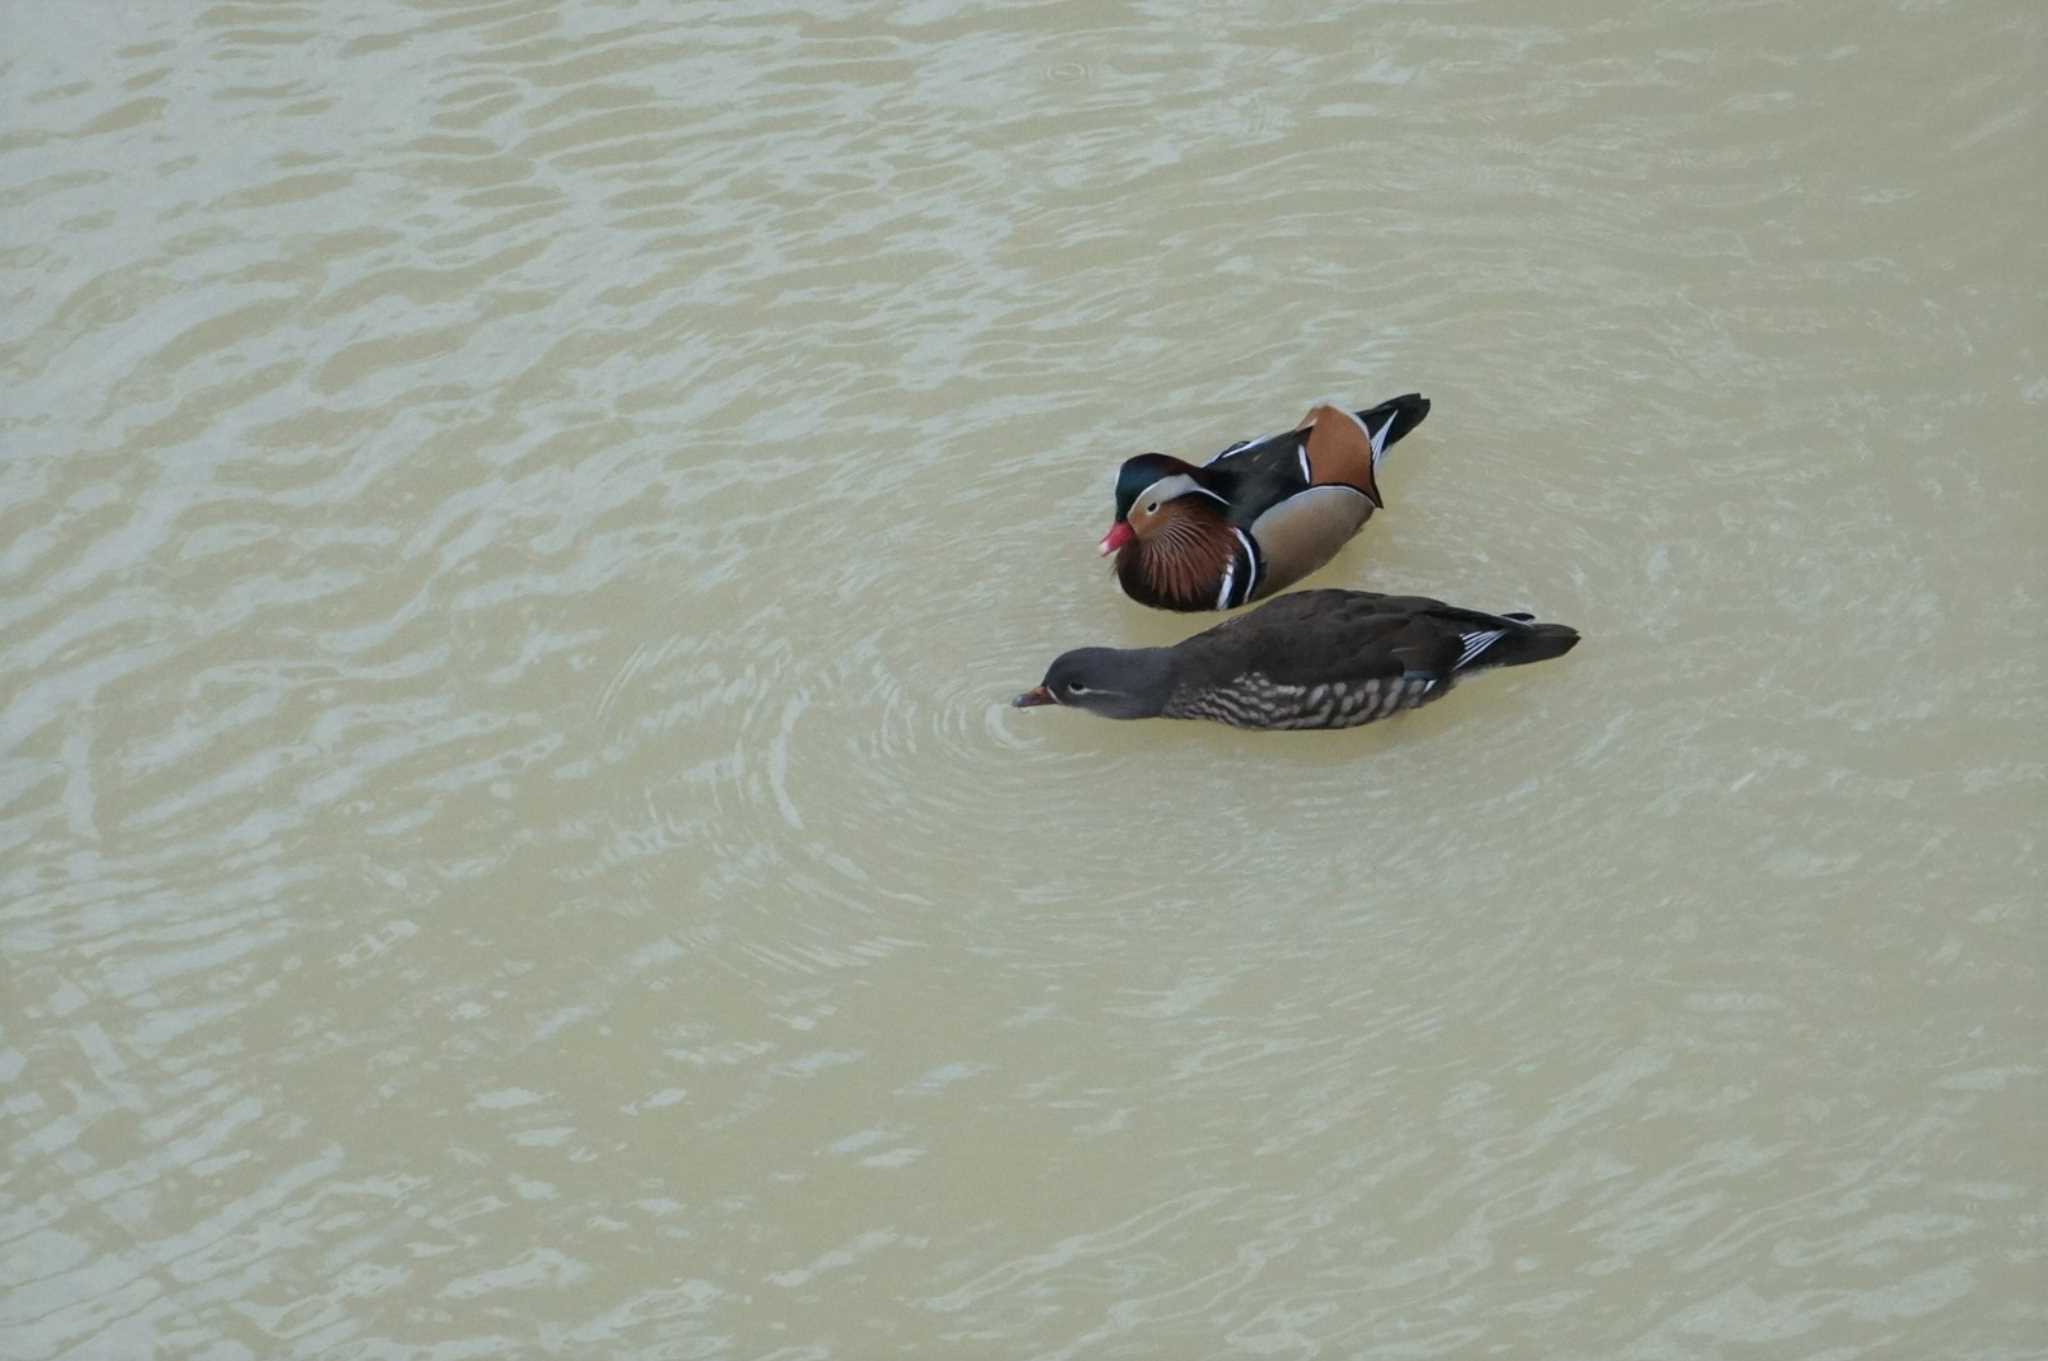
point(1259, 516)
point(1312, 659)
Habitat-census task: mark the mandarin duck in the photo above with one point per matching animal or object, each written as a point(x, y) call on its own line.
point(1312, 659)
point(1261, 515)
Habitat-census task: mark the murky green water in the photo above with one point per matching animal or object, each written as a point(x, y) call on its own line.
point(519, 527)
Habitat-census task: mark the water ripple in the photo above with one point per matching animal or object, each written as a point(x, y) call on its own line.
point(521, 527)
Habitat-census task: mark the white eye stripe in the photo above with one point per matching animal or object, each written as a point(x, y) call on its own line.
point(1180, 484)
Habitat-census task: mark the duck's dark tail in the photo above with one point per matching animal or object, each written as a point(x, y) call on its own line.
point(1386, 423)
point(1515, 640)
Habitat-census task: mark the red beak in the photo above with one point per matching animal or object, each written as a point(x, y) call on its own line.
point(1119, 534)
point(1034, 697)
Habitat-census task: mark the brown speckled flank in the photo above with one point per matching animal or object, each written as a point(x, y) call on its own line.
point(1255, 700)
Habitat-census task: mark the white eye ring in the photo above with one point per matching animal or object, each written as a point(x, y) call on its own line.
point(1076, 688)
point(1152, 508)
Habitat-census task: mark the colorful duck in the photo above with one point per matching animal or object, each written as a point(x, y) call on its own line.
point(1259, 516)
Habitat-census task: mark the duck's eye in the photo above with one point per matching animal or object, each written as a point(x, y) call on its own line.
point(1076, 688)
point(1152, 508)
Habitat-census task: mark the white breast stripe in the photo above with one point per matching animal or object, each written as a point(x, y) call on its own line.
point(1251, 562)
point(1223, 596)
point(1302, 449)
point(1476, 643)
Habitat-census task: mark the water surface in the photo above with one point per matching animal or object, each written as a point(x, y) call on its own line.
point(518, 528)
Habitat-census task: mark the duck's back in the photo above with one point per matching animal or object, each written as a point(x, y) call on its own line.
point(1258, 476)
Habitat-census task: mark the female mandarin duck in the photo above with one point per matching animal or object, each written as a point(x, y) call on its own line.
point(1261, 515)
point(1313, 659)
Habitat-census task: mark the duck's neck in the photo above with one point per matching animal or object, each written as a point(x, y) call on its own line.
point(1145, 677)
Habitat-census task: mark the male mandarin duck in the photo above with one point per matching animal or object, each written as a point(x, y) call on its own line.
point(1261, 515)
point(1312, 659)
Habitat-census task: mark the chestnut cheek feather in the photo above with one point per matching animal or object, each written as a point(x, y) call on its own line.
point(1185, 558)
